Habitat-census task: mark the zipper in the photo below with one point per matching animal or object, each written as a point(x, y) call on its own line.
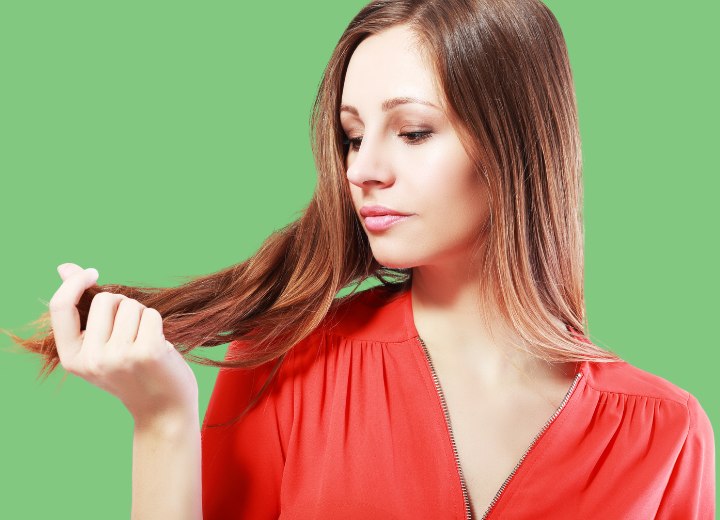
point(463, 485)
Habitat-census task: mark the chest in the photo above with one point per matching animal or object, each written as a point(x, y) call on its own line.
point(492, 427)
point(378, 441)
point(492, 430)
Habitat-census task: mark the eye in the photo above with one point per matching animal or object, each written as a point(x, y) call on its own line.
point(354, 143)
point(412, 138)
point(417, 137)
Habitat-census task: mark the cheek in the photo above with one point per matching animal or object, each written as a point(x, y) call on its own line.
point(355, 194)
point(355, 199)
point(451, 182)
point(458, 200)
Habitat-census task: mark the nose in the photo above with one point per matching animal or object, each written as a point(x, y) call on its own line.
point(370, 165)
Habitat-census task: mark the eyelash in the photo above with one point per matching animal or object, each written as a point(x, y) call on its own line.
point(423, 136)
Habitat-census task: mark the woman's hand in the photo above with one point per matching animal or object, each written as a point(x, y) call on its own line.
point(123, 350)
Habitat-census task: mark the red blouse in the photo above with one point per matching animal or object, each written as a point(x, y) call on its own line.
point(354, 427)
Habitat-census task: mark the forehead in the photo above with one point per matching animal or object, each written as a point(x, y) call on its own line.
point(385, 65)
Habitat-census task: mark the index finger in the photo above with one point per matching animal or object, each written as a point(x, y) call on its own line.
point(64, 315)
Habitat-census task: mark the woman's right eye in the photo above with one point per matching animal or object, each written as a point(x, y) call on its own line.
point(353, 143)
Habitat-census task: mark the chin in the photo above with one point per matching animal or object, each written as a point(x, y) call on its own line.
point(394, 261)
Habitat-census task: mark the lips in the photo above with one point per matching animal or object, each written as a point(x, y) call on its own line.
point(379, 218)
point(377, 211)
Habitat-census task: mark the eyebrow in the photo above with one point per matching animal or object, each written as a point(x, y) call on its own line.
point(389, 104)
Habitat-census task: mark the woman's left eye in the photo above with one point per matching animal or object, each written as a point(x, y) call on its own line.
point(412, 138)
point(417, 137)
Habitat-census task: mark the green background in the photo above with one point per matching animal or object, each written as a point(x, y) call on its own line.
point(154, 140)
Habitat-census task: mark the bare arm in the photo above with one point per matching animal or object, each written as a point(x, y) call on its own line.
point(166, 477)
point(123, 351)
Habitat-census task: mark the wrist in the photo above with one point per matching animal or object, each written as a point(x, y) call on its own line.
point(169, 423)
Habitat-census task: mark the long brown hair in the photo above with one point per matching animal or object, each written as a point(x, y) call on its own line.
point(504, 76)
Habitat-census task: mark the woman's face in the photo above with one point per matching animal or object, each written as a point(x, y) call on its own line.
point(408, 158)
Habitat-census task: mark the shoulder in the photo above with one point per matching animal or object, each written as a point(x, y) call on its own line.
point(663, 428)
point(375, 318)
point(632, 383)
point(381, 313)
point(625, 378)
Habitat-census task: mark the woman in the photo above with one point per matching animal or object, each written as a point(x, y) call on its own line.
point(464, 385)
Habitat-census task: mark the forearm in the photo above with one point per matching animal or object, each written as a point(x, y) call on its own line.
point(166, 470)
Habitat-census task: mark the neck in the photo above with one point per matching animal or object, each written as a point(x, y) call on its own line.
point(450, 318)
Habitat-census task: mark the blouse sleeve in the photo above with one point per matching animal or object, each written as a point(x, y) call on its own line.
point(242, 464)
point(690, 494)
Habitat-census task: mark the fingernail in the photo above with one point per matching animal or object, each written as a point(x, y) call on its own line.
point(93, 272)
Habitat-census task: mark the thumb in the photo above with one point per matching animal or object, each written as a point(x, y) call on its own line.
point(68, 269)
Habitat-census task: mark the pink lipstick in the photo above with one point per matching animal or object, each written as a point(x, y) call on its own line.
point(379, 218)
